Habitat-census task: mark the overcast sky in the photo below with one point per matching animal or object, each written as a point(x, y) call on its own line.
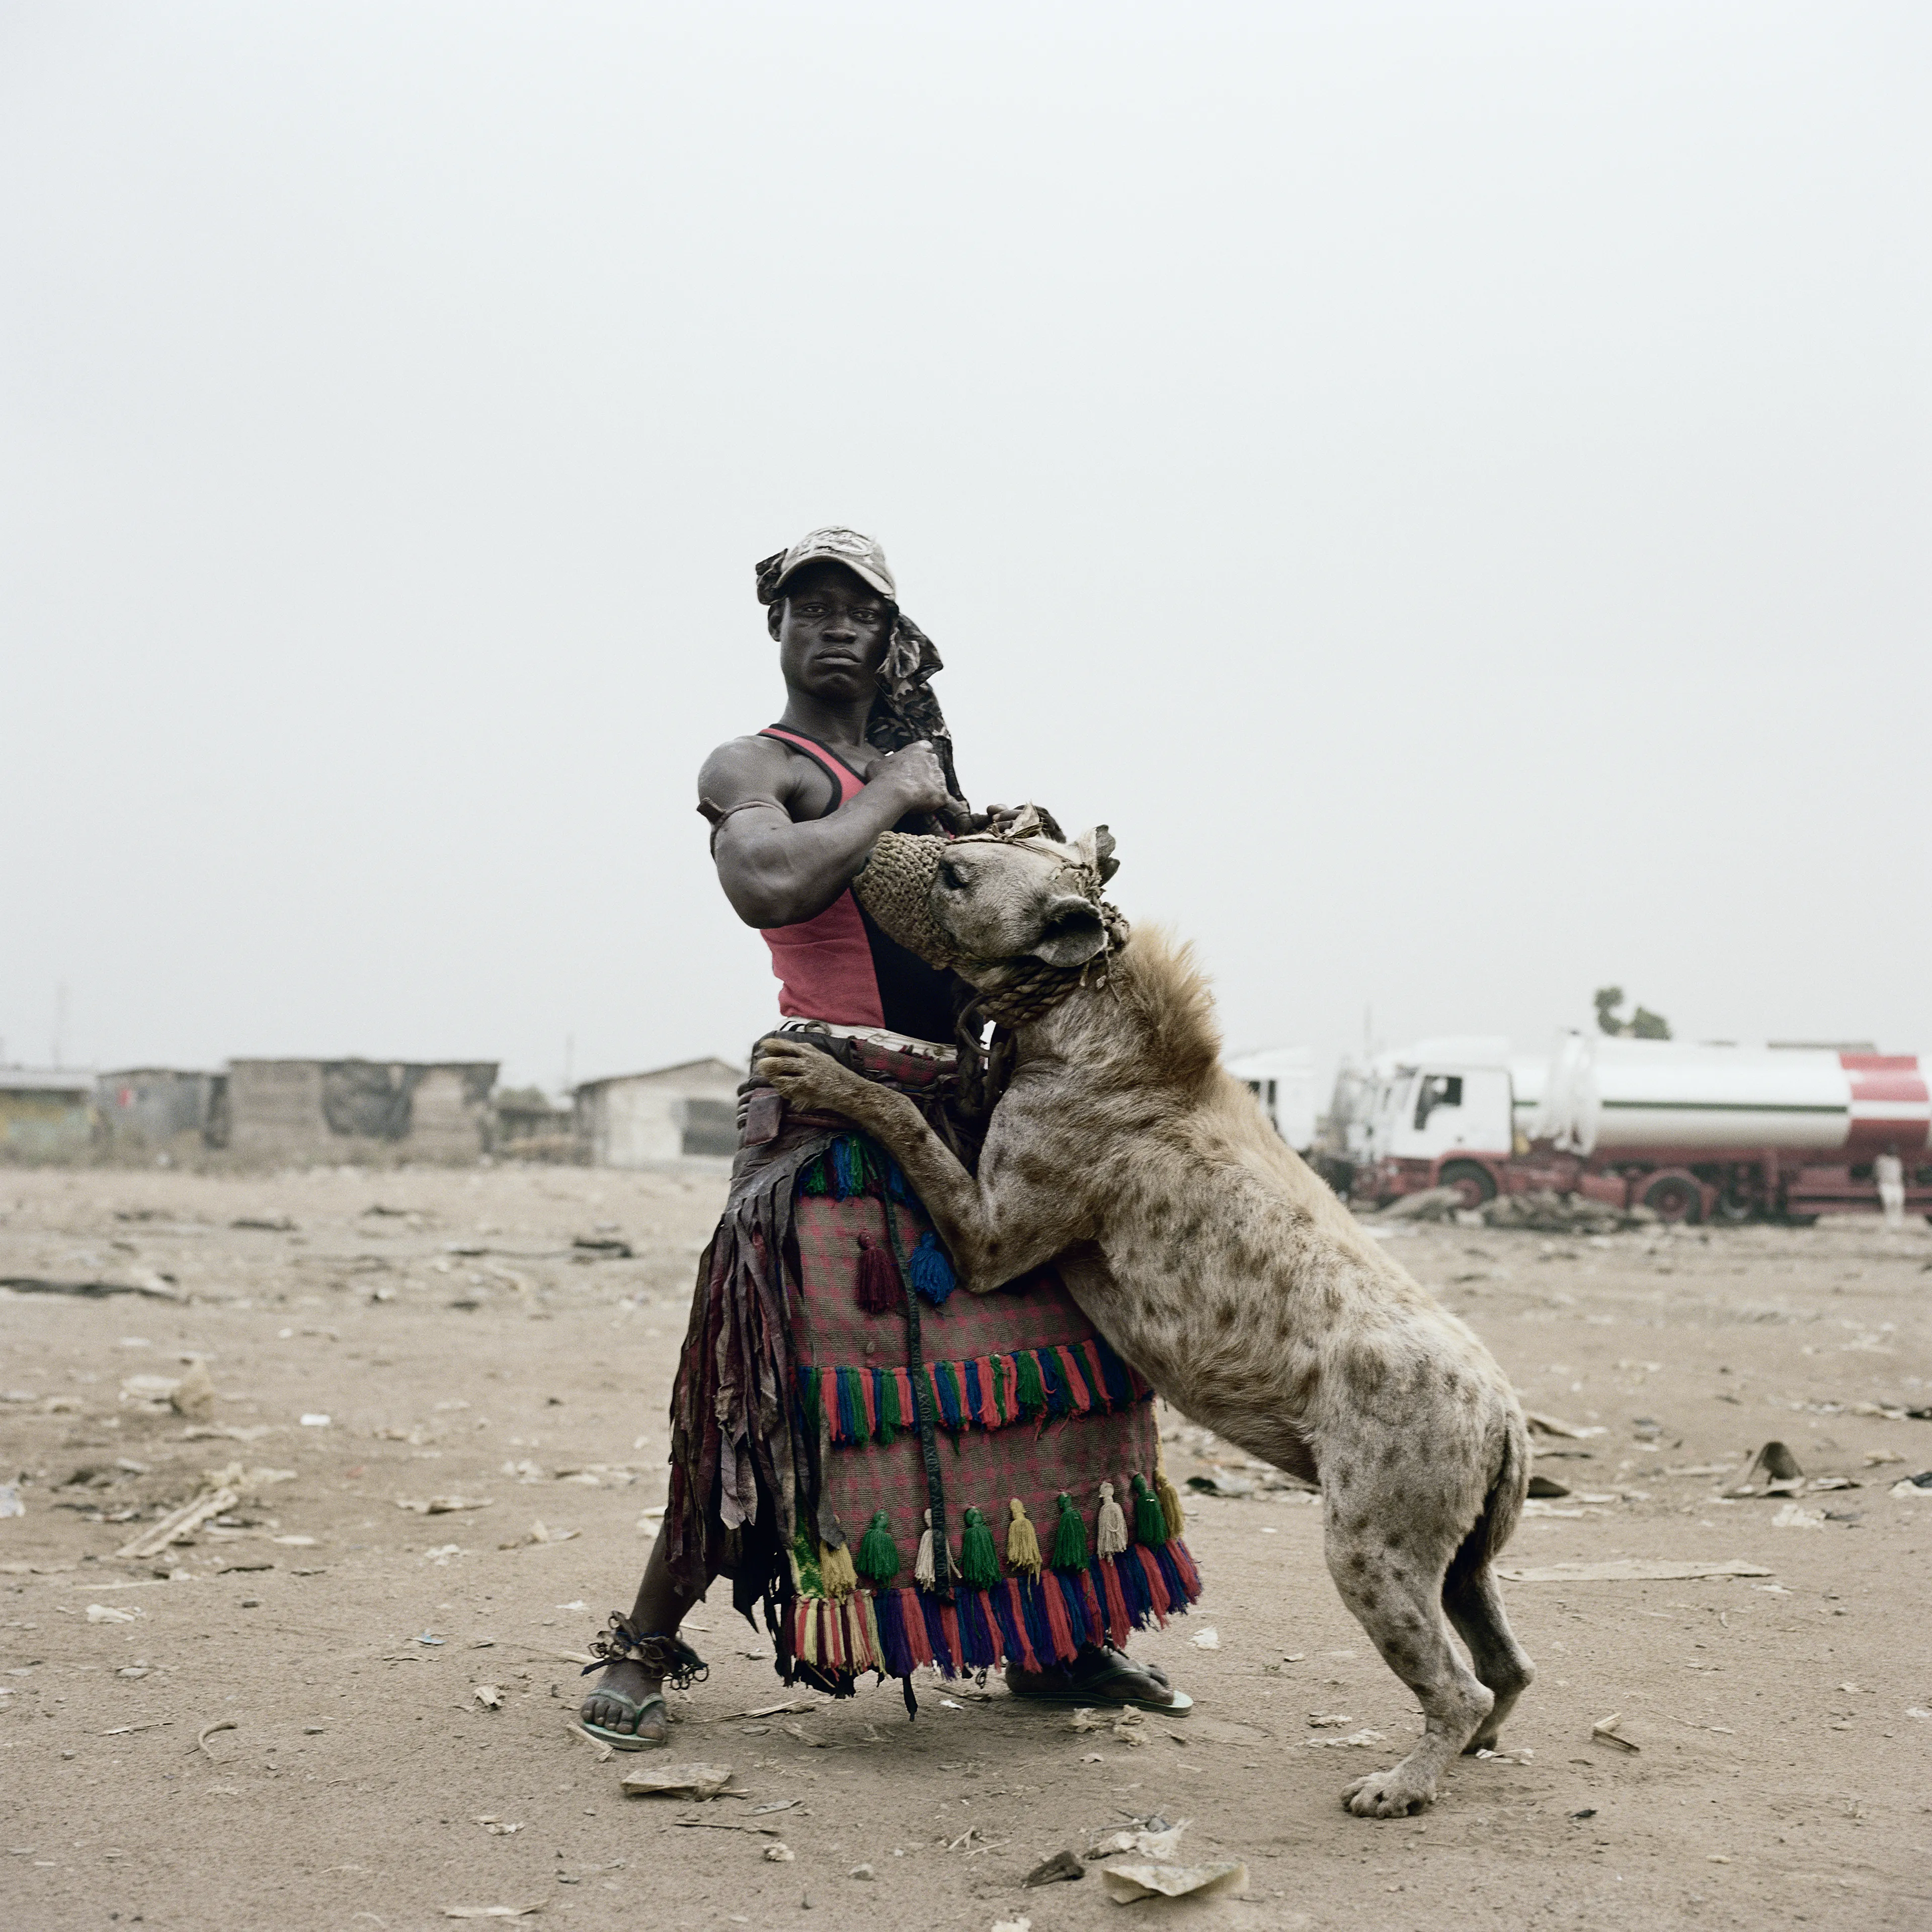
point(1448, 483)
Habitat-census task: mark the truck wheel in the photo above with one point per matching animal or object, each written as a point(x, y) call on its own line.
point(1471, 1182)
point(1674, 1198)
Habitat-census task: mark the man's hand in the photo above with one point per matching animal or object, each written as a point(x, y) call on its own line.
point(913, 777)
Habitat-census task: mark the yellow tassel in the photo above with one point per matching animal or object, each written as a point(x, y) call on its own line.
point(1022, 1543)
point(1170, 1497)
point(869, 1611)
point(835, 1572)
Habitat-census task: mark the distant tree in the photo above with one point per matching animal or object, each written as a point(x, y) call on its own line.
point(1643, 1025)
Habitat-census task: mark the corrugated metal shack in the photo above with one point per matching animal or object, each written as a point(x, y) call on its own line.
point(636, 1120)
point(383, 1112)
point(145, 1112)
point(46, 1114)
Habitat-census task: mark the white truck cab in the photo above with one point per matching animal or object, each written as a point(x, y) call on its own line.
point(1438, 1109)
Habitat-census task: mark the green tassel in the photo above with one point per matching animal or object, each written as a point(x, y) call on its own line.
point(979, 1561)
point(1070, 1535)
point(890, 1420)
point(878, 1556)
point(1150, 1520)
point(812, 1178)
point(1033, 1393)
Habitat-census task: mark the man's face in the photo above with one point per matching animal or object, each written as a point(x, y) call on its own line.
point(833, 628)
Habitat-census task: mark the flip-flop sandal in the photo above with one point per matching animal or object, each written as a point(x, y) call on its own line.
point(625, 1741)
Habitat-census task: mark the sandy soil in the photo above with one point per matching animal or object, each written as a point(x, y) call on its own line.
point(460, 1347)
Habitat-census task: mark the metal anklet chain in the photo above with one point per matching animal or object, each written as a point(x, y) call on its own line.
point(659, 1652)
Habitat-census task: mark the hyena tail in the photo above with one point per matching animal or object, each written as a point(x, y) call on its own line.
point(1470, 1596)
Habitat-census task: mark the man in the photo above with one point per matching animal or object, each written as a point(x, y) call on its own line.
point(1888, 1171)
point(825, 1359)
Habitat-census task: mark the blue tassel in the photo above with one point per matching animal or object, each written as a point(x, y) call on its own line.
point(931, 1272)
point(1113, 1371)
point(976, 1635)
point(851, 1410)
point(1134, 1590)
point(847, 1176)
point(1053, 1379)
point(1072, 1595)
point(1170, 1571)
point(935, 1634)
point(1009, 1625)
point(895, 1182)
point(886, 1605)
point(976, 1392)
point(1039, 1632)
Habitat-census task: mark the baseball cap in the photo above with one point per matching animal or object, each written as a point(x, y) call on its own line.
point(834, 544)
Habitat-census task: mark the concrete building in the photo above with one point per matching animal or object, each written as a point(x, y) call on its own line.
point(635, 1119)
point(144, 1111)
point(45, 1114)
point(378, 1112)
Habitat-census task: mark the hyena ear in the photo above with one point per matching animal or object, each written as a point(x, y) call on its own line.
point(1098, 843)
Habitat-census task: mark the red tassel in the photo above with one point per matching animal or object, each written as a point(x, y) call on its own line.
point(1096, 1618)
point(1156, 1582)
point(1190, 1576)
point(1065, 1650)
point(949, 1621)
point(1077, 1391)
point(1117, 1626)
point(1090, 1356)
point(828, 1400)
point(912, 1619)
point(877, 1286)
point(869, 1394)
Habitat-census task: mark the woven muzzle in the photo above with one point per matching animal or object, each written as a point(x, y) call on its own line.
point(895, 889)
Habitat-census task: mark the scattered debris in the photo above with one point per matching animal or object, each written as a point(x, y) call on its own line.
point(1547, 1486)
point(779, 1710)
point(1362, 1740)
point(25, 1284)
point(1920, 1485)
point(1604, 1731)
point(1551, 1425)
point(194, 1396)
point(1155, 1839)
point(1628, 1570)
point(1326, 1723)
point(1794, 1516)
point(1063, 1865)
point(208, 1731)
point(1126, 1883)
point(11, 1504)
point(779, 1854)
point(268, 1224)
point(103, 1613)
point(1130, 1726)
point(1552, 1214)
point(1209, 1639)
point(601, 1247)
point(446, 1505)
point(1431, 1204)
point(861, 1872)
point(488, 1695)
point(1021, 1924)
point(491, 1911)
point(605, 1752)
point(1220, 1482)
point(676, 1780)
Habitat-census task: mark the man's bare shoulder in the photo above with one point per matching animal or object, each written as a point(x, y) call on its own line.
point(744, 769)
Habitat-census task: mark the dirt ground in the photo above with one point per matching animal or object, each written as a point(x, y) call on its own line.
point(458, 1345)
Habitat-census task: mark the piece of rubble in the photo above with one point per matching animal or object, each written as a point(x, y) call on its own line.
point(194, 1396)
point(1063, 1865)
point(1126, 1883)
point(779, 1854)
point(488, 1695)
point(444, 1505)
point(1604, 1731)
point(1209, 1639)
point(676, 1780)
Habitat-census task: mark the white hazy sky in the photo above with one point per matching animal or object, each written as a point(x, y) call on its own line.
point(1447, 483)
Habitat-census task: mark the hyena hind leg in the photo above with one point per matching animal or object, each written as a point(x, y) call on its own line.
point(1475, 1607)
point(1398, 1600)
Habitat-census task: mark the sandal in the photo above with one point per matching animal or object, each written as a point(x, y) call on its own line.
point(627, 1741)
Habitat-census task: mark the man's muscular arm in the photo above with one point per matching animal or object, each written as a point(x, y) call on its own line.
point(775, 872)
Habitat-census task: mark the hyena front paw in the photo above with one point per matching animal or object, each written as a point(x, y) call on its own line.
point(1389, 1794)
point(804, 1075)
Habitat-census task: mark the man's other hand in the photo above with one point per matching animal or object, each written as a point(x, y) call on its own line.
point(914, 776)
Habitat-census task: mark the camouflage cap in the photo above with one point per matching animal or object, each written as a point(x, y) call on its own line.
point(832, 545)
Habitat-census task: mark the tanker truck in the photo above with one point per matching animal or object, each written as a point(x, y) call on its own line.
point(1693, 1132)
